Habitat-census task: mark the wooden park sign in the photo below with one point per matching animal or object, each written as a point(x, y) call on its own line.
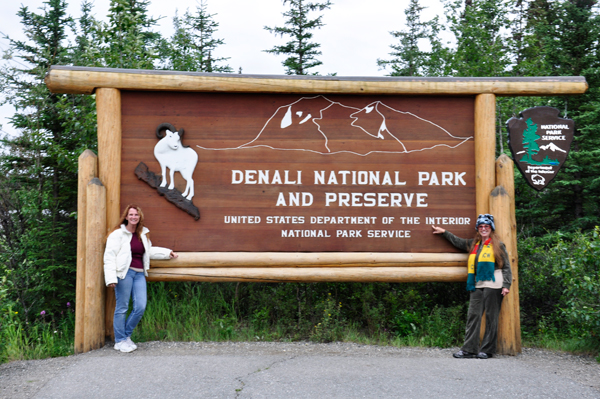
point(297, 179)
point(295, 173)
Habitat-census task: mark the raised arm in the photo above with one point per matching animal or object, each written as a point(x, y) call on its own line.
point(460, 243)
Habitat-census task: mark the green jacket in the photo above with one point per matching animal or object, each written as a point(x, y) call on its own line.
point(465, 245)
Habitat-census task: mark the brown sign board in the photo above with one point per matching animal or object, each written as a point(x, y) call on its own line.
point(308, 173)
point(540, 141)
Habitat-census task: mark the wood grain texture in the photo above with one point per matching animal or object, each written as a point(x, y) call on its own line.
point(312, 259)
point(321, 274)
point(108, 107)
point(87, 170)
point(222, 123)
point(510, 319)
point(84, 80)
point(500, 206)
point(485, 149)
point(94, 273)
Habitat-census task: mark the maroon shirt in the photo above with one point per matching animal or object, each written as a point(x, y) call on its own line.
point(137, 253)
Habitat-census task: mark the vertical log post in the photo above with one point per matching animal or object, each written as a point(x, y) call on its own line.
point(485, 155)
point(485, 150)
point(500, 206)
point(108, 106)
point(94, 273)
point(88, 169)
point(509, 329)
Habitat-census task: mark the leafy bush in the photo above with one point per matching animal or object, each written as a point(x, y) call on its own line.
point(560, 284)
point(580, 274)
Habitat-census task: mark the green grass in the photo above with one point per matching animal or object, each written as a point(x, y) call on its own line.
point(24, 341)
point(367, 315)
point(190, 314)
point(576, 346)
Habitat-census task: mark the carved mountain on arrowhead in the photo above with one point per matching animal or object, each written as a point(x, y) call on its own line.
point(552, 147)
point(320, 125)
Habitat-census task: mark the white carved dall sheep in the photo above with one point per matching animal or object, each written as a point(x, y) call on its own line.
point(170, 153)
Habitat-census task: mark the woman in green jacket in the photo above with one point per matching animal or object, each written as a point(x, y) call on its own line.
point(489, 279)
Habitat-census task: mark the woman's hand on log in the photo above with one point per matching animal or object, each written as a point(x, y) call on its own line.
point(173, 255)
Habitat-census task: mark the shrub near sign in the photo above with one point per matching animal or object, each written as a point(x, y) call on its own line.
point(302, 173)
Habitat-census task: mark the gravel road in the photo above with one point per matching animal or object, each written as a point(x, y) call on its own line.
point(298, 370)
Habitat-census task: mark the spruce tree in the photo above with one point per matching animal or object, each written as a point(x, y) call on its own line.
point(529, 25)
point(481, 45)
point(300, 50)
point(38, 166)
point(571, 47)
point(192, 46)
point(408, 58)
point(128, 39)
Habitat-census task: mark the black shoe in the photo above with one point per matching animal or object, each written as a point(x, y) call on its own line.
point(464, 355)
point(483, 355)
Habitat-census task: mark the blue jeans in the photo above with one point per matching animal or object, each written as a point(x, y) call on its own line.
point(133, 285)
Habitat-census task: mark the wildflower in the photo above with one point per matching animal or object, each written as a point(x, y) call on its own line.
point(43, 312)
point(55, 331)
point(16, 312)
point(68, 304)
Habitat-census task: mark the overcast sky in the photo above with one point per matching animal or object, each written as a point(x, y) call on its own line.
point(355, 35)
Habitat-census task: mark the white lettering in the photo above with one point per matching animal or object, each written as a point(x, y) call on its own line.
point(319, 177)
point(237, 176)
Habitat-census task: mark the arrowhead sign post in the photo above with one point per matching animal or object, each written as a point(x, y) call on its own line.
point(539, 141)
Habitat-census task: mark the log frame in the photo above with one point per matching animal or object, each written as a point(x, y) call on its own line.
point(312, 275)
point(94, 317)
point(84, 80)
point(485, 150)
point(87, 170)
point(509, 331)
point(108, 108)
point(310, 259)
point(288, 267)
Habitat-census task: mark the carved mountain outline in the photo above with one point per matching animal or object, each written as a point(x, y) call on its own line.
point(317, 124)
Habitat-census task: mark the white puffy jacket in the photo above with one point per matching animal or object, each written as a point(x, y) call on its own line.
point(117, 255)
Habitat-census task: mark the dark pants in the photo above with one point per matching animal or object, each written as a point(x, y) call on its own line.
point(490, 300)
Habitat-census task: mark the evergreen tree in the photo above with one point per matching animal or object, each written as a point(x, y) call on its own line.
point(572, 48)
point(528, 28)
point(192, 46)
point(128, 39)
point(408, 57)
point(38, 167)
point(481, 48)
point(298, 26)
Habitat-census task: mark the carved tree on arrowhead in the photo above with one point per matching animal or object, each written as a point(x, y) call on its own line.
point(529, 140)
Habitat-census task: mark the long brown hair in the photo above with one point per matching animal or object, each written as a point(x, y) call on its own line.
point(123, 220)
point(495, 246)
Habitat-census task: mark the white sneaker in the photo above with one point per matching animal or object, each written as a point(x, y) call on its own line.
point(124, 347)
point(131, 343)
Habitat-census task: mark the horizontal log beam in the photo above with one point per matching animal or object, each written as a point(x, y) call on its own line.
point(312, 274)
point(311, 259)
point(84, 80)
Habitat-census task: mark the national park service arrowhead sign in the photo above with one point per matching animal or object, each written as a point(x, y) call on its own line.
point(539, 141)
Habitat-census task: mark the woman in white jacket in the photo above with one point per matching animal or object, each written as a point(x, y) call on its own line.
point(126, 263)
